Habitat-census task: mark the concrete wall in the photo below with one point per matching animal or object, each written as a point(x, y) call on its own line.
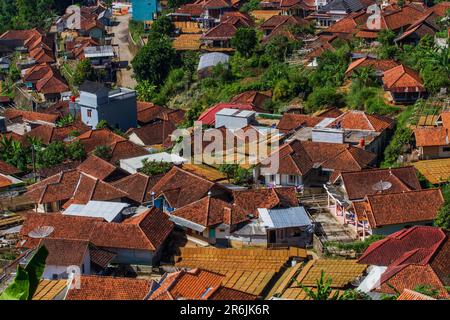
point(387, 230)
point(130, 256)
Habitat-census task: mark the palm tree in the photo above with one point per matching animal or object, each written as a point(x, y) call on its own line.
point(365, 76)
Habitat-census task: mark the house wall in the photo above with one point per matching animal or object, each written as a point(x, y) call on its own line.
point(135, 139)
point(283, 180)
point(61, 271)
point(434, 152)
point(387, 230)
point(131, 256)
point(119, 113)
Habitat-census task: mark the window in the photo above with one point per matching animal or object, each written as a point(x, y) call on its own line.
point(89, 113)
point(446, 149)
point(292, 179)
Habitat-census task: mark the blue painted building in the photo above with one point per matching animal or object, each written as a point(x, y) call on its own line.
point(145, 10)
point(117, 107)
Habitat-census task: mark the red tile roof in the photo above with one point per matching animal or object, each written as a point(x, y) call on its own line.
point(376, 64)
point(299, 157)
point(358, 184)
point(360, 120)
point(196, 284)
point(409, 277)
point(292, 121)
point(418, 244)
point(96, 167)
point(16, 114)
point(206, 212)
point(7, 169)
point(180, 187)
point(94, 138)
point(154, 133)
point(110, 288)
point(247, 202)
point(49, 134)
point(145, 231)
point(430, 137)
point(65, 252)
point(257, 99)
point(402, 78)
point(125, 150)
point(138, 186)
point(405, 207)
point(72, 184)
point(148, 112)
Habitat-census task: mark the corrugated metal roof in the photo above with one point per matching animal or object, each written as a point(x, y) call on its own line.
point(212, 59)
point(99, 51)
point(100, 209)
point(285, 218)
point(188, 224)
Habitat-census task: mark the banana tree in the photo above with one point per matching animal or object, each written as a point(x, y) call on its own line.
point(27, 279)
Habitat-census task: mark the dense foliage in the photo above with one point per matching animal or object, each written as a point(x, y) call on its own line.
point(153, 168)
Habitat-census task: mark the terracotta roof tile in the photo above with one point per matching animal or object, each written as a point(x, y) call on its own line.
point(379, 65)
point(427, 240)
point(405, 207)
point(110, 288)
point(14, 114)
point(413, 295)
point(97, 167)
point(358, 184)
point(181, 187)
point(401, 78)
point(65, 252)
point(154, 133)
point(7, 169)
point(196, 284)
point(125, 150)
point(93, 138)
point(360, 120)
point(207, 211)
point(292, 121)
point(428, 137)
point(137, 186)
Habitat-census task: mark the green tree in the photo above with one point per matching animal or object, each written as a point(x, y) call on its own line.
point(66, 120)
point(154, 60)
point(323, 97)
point(76, 151)
point(163, 25)
point(27, 279)
point(146, 91)
point(364, 77)
point(102, 124)
point(84, 71)
point(427, 290)
point(55, 153)
point(279, 48)
point(103, 152)
point(153, 168)
point(244, 41)
point(443, 217)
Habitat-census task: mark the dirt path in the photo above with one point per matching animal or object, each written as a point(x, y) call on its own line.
point(120, 30)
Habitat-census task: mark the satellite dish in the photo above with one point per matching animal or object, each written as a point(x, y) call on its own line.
point(382, 185)
point(129, 211)
point(41, 232)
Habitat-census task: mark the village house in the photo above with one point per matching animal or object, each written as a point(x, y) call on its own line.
point(72, 186)
point(403, 84)
point(148, 112)
point(335, 10)
point(407, 259)
point(307, 163)
point(117, 107)
point(179, 188)
point(138, 188)
point(382, 201)
point(137, 240)
point(432, 142)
